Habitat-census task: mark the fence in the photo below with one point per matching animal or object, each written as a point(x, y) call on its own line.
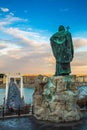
point(5, 112)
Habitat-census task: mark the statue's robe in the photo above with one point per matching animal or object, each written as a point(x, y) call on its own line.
point(62, 47)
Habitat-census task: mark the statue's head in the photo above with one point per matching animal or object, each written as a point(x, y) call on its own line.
point(61, 28)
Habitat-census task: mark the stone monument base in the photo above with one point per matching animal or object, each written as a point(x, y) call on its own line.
point(57, 101)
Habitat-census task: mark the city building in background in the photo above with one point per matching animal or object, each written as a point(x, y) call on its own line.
point(2, 79)
point(28, 80)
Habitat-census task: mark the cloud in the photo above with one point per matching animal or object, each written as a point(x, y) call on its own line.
point(4, 9)
point(3, 45)
point(36, 56)
point(10, 19)
point(11, 13)
point(79, 42)
point(40, 59)
point(28, 63)
point(28, 50)
point(24, 37)
point(79, 63)
point(80, 59)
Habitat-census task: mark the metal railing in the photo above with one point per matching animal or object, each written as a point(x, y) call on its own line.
point(4, 112)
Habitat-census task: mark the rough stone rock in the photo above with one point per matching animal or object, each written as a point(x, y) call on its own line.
point(57, 100)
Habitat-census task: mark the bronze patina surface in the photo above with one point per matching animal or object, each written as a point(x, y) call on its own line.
point(62, 47)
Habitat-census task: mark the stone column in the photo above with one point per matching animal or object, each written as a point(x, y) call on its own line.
point(21, 87)
point(7, 85)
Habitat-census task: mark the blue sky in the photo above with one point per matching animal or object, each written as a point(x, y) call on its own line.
point(25, 30)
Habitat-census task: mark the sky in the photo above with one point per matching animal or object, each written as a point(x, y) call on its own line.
point(26, 27)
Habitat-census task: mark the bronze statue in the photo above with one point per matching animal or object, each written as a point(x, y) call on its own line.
point(62, 47)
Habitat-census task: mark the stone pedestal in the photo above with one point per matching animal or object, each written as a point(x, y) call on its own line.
point(58, 100)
